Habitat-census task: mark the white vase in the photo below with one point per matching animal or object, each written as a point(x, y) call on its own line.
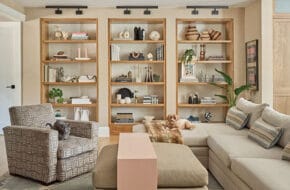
point(85, 115)
point(128, 100)
point(77, 114)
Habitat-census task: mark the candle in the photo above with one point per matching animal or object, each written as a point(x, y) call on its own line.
point(86, 52)
point(79, 52)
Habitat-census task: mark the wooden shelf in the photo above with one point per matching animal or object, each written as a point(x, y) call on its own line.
point(69, 83)
point(136, 42)
point(202, 105)
point(70, 41)
point(138, 105)
point(137, 62)
point(68, 61)
point(199, 83)
point(139, 83)
point(211, 62)
point(204, 41)
point(74, 105)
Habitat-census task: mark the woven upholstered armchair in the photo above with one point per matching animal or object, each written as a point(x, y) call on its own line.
point(34, 151)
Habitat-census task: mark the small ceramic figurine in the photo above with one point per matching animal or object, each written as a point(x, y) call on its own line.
point(65, 35)
point(150, 56)
point(57, 33)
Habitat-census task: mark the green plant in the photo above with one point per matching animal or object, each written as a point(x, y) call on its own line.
point(54, 93)
point(231, 93)
point(188, 55)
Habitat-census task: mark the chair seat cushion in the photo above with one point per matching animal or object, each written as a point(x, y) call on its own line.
point(222, 128)
point(196, 137)
point(227, 147)
point(74, 146)
point(260, 173)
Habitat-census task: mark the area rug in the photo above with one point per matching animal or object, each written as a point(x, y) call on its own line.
point(83, 182)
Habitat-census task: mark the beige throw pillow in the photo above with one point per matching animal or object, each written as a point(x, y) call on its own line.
point(254, 110)
point(286, 152)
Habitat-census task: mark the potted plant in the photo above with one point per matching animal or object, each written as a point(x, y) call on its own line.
point(231, 93)
point(188, 56)
point(56, 93)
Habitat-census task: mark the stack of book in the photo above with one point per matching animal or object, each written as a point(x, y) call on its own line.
point(124, 118)
point(216, 58)
point(159, 53)
point(147, 100)
point(79, 36)
point(80, 101)
point(208, 100)
point(115, 53)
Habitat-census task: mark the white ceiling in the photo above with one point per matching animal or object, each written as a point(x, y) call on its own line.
point(113, 3)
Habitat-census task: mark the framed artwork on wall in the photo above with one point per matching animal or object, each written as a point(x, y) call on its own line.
point(252, 69)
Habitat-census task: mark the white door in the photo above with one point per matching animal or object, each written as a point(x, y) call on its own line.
point(10, 69)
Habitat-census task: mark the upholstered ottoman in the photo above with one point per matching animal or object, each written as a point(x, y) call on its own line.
point(178, 168)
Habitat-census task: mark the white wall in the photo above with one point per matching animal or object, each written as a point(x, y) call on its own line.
point(31, 48)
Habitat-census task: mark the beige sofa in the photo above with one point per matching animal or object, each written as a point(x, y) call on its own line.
point(236, 161)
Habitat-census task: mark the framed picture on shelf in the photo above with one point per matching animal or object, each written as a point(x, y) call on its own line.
point(188, 73)
point(252, 69)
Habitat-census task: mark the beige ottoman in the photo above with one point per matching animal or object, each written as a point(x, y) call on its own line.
point(178, 168)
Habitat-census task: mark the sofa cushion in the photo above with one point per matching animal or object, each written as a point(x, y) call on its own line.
point(265, 134)
point(222, 128)
point(74, 146)
point(255, 110)
point(236, 118)
point(195, 137)
point(260, 173)
point(227, 147)
point(286, 152)
point(280, 120)
point(178, 167)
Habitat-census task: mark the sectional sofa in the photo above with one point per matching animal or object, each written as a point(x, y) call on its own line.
point(237, 161)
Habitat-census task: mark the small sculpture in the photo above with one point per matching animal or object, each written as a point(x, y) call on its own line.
point(57, 33)
point(208, 116)
point(150, 56)
point(154, 35)
point(65, 35)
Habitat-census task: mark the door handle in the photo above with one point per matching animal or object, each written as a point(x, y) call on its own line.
point(11, 86)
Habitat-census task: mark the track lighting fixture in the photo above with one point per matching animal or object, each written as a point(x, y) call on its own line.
point(58, 8)
point(215, 10)
point(127, 10)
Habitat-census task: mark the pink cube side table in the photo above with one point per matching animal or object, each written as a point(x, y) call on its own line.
point(137, 163)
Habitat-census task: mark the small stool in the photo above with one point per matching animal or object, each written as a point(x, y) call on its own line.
point(177, 167)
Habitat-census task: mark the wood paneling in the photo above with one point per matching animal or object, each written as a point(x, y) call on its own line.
point(281, 67)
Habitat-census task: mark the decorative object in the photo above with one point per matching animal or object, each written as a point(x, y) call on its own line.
point(193, 119)
point(136, 56)
point(150, 56)
point(125, 92)
point(205, 35)
point(124, 78)
point(59, 74)
point(127, 100)
point(252, 69)
point(195, 99)
point(191, 32)
point(139, 33)
point(56, 93)
point(119, 97)
point(85, 115)
point(156, 78)
point(232, 93)
point(188, 73)
point(190, 100)
point(122, 101)
point(202, 52)
point(135, 96)
point(87, 78)
point(125, 35)
point(115, 52)
point(77, 113)
point(80, 58)
point(52, 74)
point(130, 75)
point(214, 35)
point(57, 33)
point(124, 117)
point(207, 116)
point(65, 35)
point(149, 74)
point(154, 35)
point(60, 55)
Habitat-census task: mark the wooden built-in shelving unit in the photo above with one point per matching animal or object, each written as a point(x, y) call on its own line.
point(50, 46)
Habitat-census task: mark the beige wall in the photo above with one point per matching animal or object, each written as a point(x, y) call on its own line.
point(31, 51)
point(13, 5)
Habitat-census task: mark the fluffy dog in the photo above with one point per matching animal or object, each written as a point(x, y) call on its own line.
point(173, 121)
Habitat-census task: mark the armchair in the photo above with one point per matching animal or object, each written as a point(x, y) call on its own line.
point(34, 151)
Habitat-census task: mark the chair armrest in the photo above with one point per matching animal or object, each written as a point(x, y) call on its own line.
point(32, 152)
point(85, 129)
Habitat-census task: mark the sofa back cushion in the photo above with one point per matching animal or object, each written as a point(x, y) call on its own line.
point(265, 134)
point(286, 152)
point(254, 110)
point(280, 120)
point(236, 118)
point(32, 115)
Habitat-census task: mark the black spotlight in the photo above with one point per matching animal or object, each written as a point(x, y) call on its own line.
point(194, 11)
point(127, 12)
point(58, 11)
point(214, 12)
point(79, 12)
point(147, 12)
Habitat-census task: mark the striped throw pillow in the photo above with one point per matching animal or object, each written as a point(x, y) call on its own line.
point(265, 134)
point(236, 118)
point(286, 152)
